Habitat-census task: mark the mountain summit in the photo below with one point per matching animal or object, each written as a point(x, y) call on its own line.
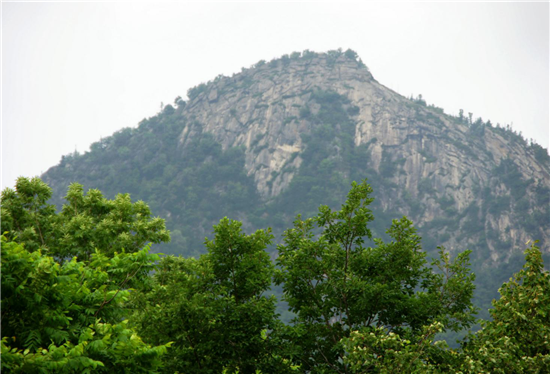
point(284, 136)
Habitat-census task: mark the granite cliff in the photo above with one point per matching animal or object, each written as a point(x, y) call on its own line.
point(449, 166)
point(284, 136)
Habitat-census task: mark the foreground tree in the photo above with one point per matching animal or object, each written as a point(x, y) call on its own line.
point(377, 351)
point(213, 308)
point(336, 284)
point(86, 223)
point(70, 306)
point(514, 341)
point(517, 339)
point(69, 313)
point(71, 317)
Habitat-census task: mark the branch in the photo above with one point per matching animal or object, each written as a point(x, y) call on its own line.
point(128, 277)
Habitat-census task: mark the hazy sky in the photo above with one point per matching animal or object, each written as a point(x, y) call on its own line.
point(75, 72)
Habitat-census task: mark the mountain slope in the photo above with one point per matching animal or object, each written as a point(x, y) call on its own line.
point(284, 136)
point(450, 166)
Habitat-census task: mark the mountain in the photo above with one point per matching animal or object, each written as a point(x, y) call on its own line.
point(285, 136)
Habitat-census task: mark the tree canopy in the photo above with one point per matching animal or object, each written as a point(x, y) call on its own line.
point(67, 277)
point(83, 292)
point(86, 223)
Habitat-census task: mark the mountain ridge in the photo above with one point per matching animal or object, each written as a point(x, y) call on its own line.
point(304, 126)
point(238, 119)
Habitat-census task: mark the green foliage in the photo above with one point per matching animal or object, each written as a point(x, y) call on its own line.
point(518, 201)
point(168, 109)
point(333, 55)
point(194, 185)
point(240, 262)
point(516, 340)
point(295, 55)
point(374, 350)
point(66, 278)
point(351, 54)
point(358, 308)
point(86, 223)
point(192, 93)
point(26, 215)
point(213, 308)
point(69, 318)
point(336, 285)
point(418, 100)
point(508, 172)
point(541, 154)
point(308, 55)
point(425, 187)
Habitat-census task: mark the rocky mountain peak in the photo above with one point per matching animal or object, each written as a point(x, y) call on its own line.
point(441, 162)
point(264, 109)
point(284, 136)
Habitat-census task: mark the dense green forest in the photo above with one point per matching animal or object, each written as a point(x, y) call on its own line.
point(83, 293)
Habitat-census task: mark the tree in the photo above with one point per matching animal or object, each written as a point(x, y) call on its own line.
point(361, 304)
point(514, 341)
point(517, 339)
point(213, 308)
point(86, 223)
point(336, 284)
point(71, 317)
point(26, 215)
point(69, 313)
point(377, 351)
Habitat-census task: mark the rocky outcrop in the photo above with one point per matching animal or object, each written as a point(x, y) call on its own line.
point(305, 126)
point(448, 164)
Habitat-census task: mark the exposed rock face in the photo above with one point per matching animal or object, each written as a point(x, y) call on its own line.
point(450, 165)
point(305, 127)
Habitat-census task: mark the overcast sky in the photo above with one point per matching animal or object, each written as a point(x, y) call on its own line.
point(75, 72)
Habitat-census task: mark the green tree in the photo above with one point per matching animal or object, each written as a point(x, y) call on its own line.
point(514, 341)
point(66, 279)
point(86, 223)
point(517, 339)
point(214, 308)
point(80, 289)
point(377, 351)
point(336, 284)
point(25, 213)
point(70, 318)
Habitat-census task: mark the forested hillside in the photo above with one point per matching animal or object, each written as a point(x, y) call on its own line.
point(284, 136)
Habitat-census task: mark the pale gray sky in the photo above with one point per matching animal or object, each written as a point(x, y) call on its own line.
point(75, 72)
